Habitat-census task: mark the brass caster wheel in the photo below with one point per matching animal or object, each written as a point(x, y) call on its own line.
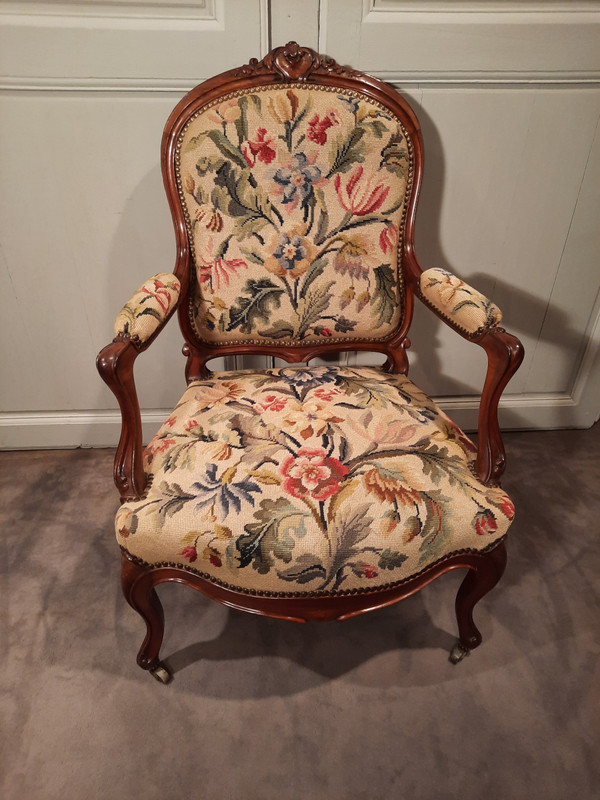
point(457, 653)
point(162, 674)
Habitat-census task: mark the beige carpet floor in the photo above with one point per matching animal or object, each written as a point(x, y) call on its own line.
point(267, 710)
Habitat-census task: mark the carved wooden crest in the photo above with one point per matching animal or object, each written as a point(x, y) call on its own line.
point(294, 63)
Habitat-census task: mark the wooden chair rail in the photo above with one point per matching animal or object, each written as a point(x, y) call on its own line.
point(139, 580)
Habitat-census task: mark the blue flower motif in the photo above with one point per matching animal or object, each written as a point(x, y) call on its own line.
point(303, 379)
point(289, 250)
point(351, 102)
point(225, 495)
point(298, 179)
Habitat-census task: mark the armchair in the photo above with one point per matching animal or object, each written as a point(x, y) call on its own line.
point(302, 493)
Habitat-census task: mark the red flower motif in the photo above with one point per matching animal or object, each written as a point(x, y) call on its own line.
point(273, 402)
point(312, 472)
point(485, 522)
point(210, 217)
point(215, 560)
point(160, 294)
point(259, 149)
point(508, 509)
point(191, 424)
point(190, 553)
point(317, 129)
point(164, 445)
point(360, 196)
point(368, 571)
point(217, 272)
point(323, 331)
point(388, 238)
point(326, 395)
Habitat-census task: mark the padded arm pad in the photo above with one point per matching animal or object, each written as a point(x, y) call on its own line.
point(148, 308)
point(463, 306)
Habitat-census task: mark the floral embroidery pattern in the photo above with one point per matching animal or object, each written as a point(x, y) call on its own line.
point(454, 298)
point(323, 478)
point(148, 307)
point(294, 202)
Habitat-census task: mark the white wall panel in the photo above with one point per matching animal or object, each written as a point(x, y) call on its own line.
point(97, 42)
point(508, 95)
point(86, 90)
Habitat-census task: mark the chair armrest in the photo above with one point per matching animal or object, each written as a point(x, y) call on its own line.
point(463, 307)
point(137, 325)
point(476, 318)
point(148, 308)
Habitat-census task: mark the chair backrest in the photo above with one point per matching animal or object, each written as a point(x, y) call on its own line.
point(293, 183)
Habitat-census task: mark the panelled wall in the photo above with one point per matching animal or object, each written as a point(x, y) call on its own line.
point(508, 94)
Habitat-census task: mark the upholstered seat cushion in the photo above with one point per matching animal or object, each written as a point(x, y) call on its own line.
point(322, 479)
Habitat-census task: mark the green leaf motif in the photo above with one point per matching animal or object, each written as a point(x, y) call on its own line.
point(312, 306)
point(384, 299)
point(378, 127)
point(176, 499)
point(229, 150)
point(263, 298)
point(205, 165)
point(344, 325)
point(280, 330)
point(237, 195)
point(279, 524)
point(307, 567)
point(435, 531)
point(390, 559)
point(314, 271)
point(241, 123)
point(394, 157)
point(252, 256)
point(348, 153)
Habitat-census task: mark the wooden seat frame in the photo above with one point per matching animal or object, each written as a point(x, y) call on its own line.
point(116, 361)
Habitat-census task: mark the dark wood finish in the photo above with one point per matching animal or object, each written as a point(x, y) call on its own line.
point(479, 580)
point(115, 363)
point(505, 354)
point(138, 587)
point(139, 582)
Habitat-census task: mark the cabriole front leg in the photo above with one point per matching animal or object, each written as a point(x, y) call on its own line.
point(478, 582)
point(139, 591)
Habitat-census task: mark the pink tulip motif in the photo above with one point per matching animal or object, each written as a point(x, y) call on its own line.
point(360, 195)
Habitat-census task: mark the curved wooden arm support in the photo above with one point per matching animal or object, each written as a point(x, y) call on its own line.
point(115, 365)
point(505, 354)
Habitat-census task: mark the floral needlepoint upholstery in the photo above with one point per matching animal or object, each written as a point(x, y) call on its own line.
point(460, 303)
point(295, 200)
point(322, 479)
point(148, 307)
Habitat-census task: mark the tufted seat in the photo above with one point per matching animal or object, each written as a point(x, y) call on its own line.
point(310, 479)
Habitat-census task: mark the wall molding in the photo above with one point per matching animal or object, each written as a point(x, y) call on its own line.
point(63, 429)
point(78, 13)
point(117, 85)
point(482, 80)
point(480, 6)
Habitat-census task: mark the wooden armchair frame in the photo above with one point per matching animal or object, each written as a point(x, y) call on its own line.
point(116, 364)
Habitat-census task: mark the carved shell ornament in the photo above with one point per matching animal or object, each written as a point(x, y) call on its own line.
point(294, 63)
